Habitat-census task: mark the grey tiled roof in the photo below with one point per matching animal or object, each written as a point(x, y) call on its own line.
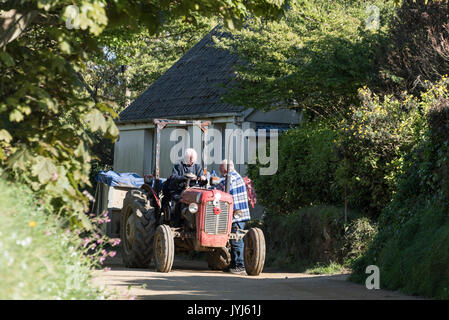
point(192, 86)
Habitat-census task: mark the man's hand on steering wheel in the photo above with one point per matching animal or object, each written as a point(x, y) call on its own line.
point(202, 181)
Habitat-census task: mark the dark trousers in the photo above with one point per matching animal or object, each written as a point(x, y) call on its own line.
point(175, 212)
point(237, 247)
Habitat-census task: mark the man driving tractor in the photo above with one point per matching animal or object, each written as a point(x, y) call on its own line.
point(176, 183)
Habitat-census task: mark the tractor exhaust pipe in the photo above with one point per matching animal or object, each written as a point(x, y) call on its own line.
point(228, 181)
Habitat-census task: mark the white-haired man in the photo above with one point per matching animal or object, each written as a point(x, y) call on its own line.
point(175, 184)
point(237, 188)
point(188, 164)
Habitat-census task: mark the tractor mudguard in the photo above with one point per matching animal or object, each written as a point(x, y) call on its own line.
point(152, 193)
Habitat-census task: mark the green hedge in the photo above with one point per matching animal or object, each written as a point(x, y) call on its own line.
point(306, 165)
point(411, 248)
point(355, 160)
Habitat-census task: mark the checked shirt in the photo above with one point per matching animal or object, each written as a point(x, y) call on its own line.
point(239, 194)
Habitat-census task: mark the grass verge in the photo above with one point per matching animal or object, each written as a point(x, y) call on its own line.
point(38, 259)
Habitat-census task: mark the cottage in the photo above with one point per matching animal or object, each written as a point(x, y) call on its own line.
point(190, 90)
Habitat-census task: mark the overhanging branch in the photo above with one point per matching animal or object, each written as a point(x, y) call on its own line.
point(14, 23)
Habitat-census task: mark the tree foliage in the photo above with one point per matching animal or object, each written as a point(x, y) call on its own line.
point(315, 58)
point(417, 49)
point(306, 168)
point(130, 63)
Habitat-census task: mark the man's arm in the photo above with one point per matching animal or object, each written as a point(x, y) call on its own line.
point(177, 174)
point(199, 171)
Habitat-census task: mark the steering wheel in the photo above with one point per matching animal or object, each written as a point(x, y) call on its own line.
point(189, 175)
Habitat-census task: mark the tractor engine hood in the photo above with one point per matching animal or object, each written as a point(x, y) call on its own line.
point(214, 215)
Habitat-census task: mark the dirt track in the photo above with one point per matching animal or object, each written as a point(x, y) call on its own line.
point(193, 280)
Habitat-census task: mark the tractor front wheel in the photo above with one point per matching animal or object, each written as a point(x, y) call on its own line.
point(254, 252)
point(164, 248)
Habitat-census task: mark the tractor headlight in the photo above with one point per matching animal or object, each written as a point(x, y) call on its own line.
point(193, 207)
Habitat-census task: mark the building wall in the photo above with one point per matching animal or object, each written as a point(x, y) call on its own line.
point(133, 151)
point(181, 143)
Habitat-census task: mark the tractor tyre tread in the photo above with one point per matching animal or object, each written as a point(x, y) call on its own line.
point(164, 255)
point(142, 249)
point(254, 257)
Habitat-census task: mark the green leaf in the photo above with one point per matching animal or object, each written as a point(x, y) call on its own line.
point(103, 107)
point(19, 160)
point(16, 116)
point(85, 221)
point(65, 47)
point(49, 104)
point(112, 131)
point(44, 169)
point(5, 136)
point(45, 4)
point(95, 120)
point(82, 152)
point(229, 24)
point(7, 59)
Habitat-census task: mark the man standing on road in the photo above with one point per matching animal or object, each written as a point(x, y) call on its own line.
point(241, 214)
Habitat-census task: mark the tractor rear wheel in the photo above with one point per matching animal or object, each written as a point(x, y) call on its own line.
point(219, 258)
point(254, 253)
point(164, 248)
point(137, 228)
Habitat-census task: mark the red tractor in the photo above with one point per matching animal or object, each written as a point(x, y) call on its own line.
point(147, 229)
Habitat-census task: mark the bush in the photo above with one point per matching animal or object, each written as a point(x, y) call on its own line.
point(411, 246)
point(306, 164)
point(356, 161)
point(315, 235)
point(372, 144)
point(359, 233)
point(39, 259)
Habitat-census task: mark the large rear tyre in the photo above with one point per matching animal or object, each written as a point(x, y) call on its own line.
point(254, 253)
point(219, 259)
point(164, 248)
point(137, 228)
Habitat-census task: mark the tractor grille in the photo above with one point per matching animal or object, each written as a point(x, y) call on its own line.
point(216, 223)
